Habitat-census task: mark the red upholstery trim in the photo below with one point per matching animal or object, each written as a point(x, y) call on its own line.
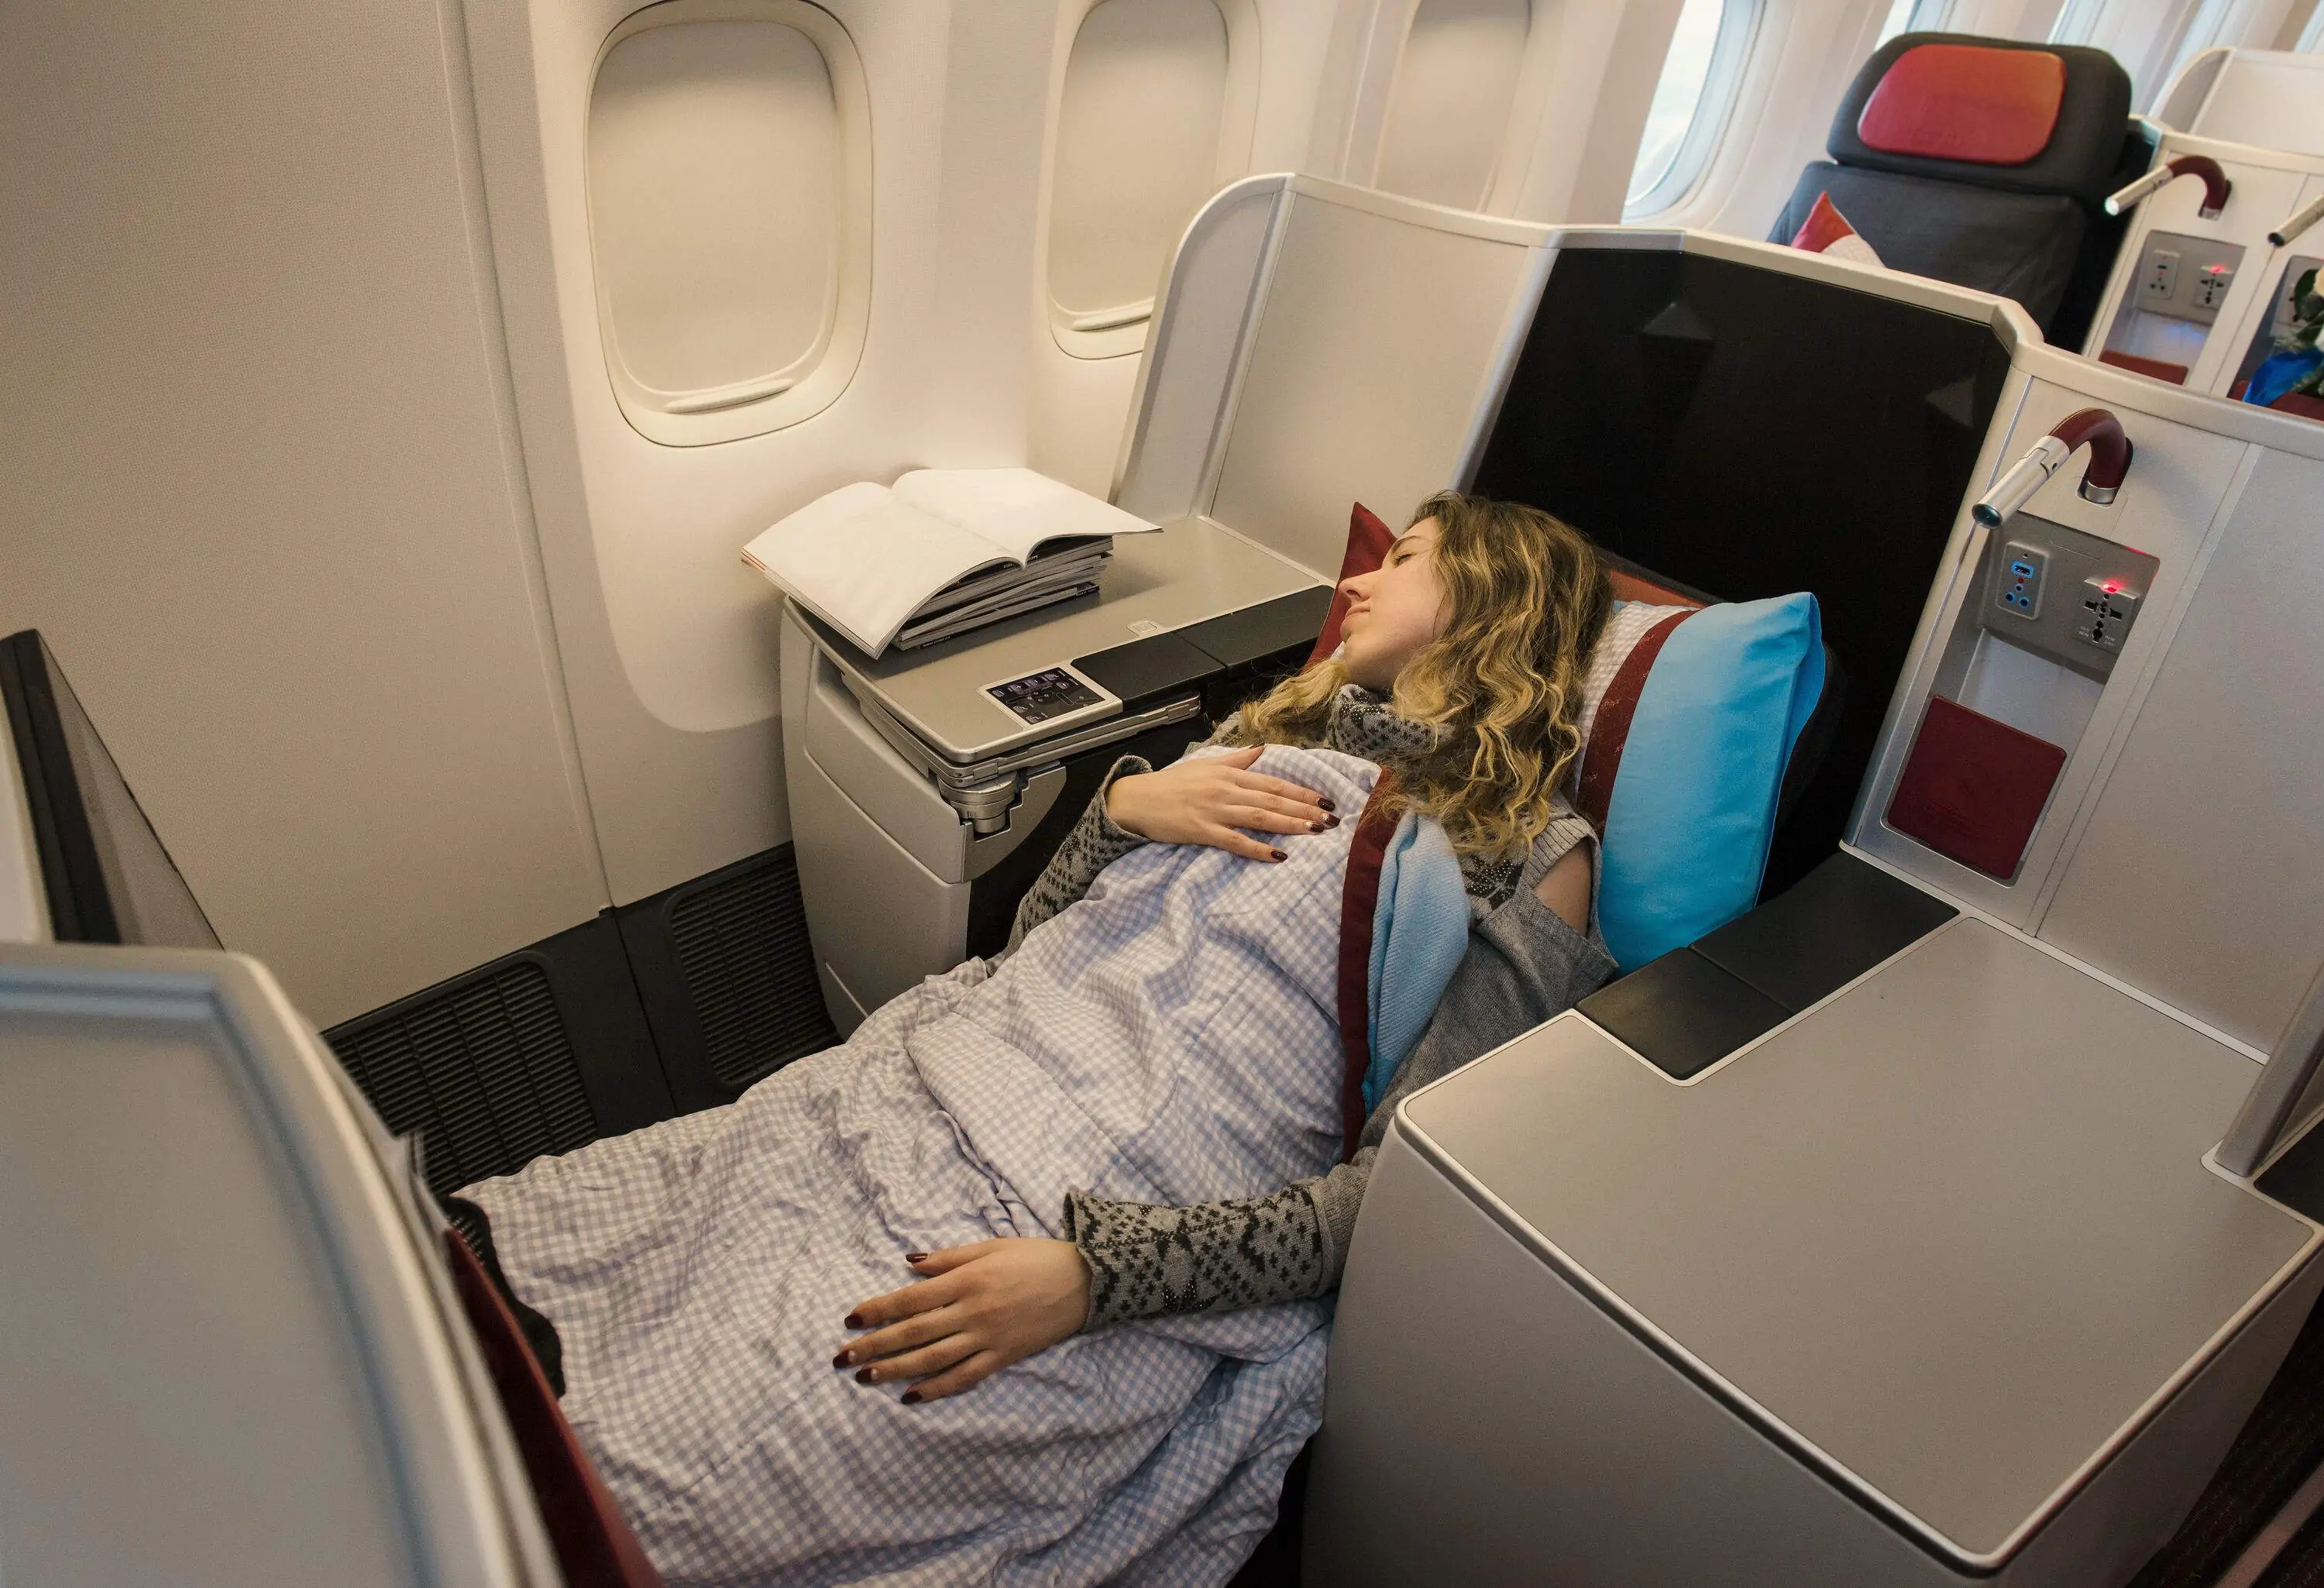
point(2216, 187)
point(2161, 369)
point(1823, 226)
point(1633, 587)
point(1973, 789)
point(1966, 101)
point(2110, 449)
point(1601, 758)
point(594, 1546)
point(1368, 542)
point(1359, 902)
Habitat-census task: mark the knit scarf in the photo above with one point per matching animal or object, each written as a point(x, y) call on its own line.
point(1364, 723)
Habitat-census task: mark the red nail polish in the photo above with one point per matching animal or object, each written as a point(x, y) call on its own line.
point(1327, 805)
point(863, 1375)
point(1276, 855)
point(911, 1397)
point(916, 1257)
point(843, 1359)
point(1330, 821)
point(1314, 826)
point(853, 1320)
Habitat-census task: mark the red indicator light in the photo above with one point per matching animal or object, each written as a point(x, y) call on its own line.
point(2114, 589)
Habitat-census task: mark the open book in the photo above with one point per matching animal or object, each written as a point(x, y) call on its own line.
point(942, 551)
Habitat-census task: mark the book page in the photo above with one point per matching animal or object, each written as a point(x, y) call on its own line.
point(1015, 509)
point(863, 561)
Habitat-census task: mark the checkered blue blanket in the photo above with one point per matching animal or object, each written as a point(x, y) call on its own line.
point(1172, 1038)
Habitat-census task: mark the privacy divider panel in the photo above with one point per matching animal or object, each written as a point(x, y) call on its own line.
point(1688, 414)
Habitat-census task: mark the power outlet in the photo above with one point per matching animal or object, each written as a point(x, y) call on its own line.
point(2162, 281)
point(2179, 277)
point(2024, 566)
point(2108, 611)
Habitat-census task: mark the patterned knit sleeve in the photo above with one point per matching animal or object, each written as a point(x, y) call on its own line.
point(1145, 1261)
point(1096, 842)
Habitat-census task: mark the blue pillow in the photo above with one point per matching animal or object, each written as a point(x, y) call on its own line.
point(1692, 810)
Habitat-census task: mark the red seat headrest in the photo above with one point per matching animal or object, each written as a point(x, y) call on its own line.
point(1988, 113)
point(1966, 102)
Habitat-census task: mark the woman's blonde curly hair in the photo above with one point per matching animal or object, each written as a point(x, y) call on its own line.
point(1527, 598)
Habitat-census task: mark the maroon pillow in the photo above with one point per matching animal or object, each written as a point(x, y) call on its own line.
point(1368, 543)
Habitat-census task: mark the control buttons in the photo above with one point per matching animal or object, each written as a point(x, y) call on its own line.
point(2023, 567)
point(2108, 611)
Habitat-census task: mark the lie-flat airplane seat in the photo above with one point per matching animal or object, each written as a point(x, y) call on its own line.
point(1979, 161)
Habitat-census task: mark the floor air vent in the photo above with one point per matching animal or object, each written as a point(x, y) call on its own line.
point(481, 1069)
point(741, 950)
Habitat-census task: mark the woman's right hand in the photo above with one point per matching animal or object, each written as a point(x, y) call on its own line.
point(1205, 800)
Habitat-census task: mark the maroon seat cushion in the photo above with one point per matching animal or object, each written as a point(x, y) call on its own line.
point(1368, 542)
point(594, 1546)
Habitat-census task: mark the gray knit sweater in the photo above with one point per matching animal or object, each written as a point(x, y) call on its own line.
point(1525, 963)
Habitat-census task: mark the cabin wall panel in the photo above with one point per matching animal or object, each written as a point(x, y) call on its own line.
point(1564, 116)
point(669, 640)
point(1283, 107)
point(257, 491)
point(2189, 881)
point(1448, 113)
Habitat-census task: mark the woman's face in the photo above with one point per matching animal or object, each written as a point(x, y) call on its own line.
point(1394, 612)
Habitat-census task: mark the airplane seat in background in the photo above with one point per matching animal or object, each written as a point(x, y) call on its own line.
point(1980, 161)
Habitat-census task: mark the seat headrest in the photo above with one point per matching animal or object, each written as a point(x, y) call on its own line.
point(1992, 112)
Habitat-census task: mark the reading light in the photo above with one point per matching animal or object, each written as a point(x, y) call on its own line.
point(2101, 481)
point(2216, 185)
point(2298, 221)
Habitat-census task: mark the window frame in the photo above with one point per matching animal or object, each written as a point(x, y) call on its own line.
point(1118, 331)
point(1923, 16)
point(732, 414)
point(1496, 172)
point(1714, 110)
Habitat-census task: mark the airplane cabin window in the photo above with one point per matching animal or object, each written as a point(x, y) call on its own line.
point(2076, 20)
point(1449, 109)
point(1147, 91)
point(1691, 103)
point(1914, 16)
point(728, 170)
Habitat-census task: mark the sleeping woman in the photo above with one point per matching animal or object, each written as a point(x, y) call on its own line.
point(1105, 1162)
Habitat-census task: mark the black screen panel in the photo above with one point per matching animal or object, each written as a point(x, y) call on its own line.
point(106, 875)
point(1751, 433)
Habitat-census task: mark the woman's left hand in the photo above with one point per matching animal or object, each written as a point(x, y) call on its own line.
point(979, 1308)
